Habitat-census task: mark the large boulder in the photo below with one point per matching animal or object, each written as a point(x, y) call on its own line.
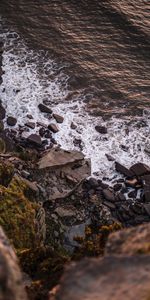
point(59, 158)
point(11, 284)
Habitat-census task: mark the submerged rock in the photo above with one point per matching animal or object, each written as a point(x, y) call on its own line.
point(101, 129)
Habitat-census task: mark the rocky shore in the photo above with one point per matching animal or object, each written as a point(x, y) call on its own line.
point(53, 212)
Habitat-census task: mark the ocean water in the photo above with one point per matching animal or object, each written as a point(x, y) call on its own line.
point(89, 63)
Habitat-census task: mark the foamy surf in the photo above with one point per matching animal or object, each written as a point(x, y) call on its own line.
point(30, 77)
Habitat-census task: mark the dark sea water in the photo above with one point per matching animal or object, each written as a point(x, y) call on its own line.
point(90, 61)
point(105, 44)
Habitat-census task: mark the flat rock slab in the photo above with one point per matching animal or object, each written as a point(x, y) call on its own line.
point(112, 278)
point(59, 157)
point(130, 241)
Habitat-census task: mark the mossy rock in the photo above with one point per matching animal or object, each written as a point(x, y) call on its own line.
point(18, 218)
point(6, 173)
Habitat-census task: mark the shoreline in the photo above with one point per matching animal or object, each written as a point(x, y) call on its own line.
point(68, 210)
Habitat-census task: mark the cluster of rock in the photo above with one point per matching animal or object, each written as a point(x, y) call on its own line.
point(123, 272)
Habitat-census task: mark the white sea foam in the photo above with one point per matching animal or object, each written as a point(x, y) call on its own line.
point(30, 78)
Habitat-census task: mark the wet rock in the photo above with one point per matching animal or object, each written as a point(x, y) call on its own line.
point(48, 134)
point(30, 117)
point(41, 131)
point(140, 169)
point(132, 194)
point(34, 139)
point(30, 125)
point(101, 129)
point(59, 157)
point(2, 112)
point(58, 118)
point(109, 195)
point(73, 126)
point(109, 204)
point(53, 127)
point(11, 121)
point(123, 170)
point(132, 182)
point(1, 126)
point(146, 186)
point(117, 187)
point(11, 281)
point(147, 148)
point(45, 109)
point(109, 157)
point(147, 208)
point(93, 182)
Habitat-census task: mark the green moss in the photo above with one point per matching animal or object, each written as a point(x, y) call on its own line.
point(17, 217)
point(6, 173)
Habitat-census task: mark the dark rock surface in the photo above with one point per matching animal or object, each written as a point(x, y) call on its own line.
point(101, 129)
point(58, 118)
point(11, 121)
point(53, 127)
point(45, 109)
point(35, 139)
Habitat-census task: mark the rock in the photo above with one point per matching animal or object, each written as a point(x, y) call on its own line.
point(73, 126)
point(30, 117)
point(30, 125)
point(147, 148)
point(58, 118)
point(132, 194)
point(11, 281)
point(41, 131)
point(59, 157)
point(93, 182)
point(1, 126)
point(146, 186)
point(34, 139)
point(2, 112)
point(147, 208)
point(123, 170)
point(109, 204)
point(109, 195)
point(117, 187)
point(43, 108)
point(109, 157)
point(130, 241)
point(132, 182)
point(25, 174)
point(11, 121)
point(94, 279)
point(101, 129)
point(53, 127)
point(140, 169)
point(2, 146)
point(66, 212)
